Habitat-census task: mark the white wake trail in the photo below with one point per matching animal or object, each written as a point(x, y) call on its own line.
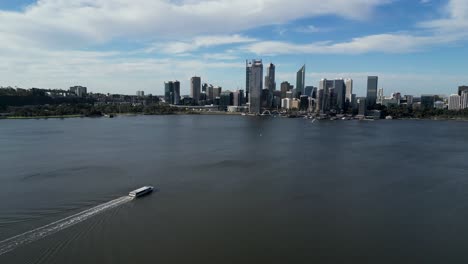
point(12, 243)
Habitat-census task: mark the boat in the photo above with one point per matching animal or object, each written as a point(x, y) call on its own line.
point(141, 191)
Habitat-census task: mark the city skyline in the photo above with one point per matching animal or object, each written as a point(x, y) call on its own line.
point(122, 48)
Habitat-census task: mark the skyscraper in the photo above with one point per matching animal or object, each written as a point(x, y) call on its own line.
point(380, 96)
point(238, 99)
point(340, 91)
point(255, 85)
point(285, 86)
point(270, 82)
point(300, 81)
point(176, 92)
point(371, 98)
point(195, 87)
point(325, 101)
point(464, 100)
point(349, 90)
point(248, 69)
point(454, 102)
point(169, 92)
point(461, 89)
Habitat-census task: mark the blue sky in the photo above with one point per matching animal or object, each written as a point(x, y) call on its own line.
point(121, 46)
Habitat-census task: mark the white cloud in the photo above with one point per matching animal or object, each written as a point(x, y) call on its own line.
point(389, 43)
point(176, 47)
point(80, 22)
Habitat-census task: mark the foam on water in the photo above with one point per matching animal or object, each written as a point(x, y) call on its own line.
point(12, 243)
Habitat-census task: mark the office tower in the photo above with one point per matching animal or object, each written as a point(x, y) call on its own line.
point(226, 99)
point(276, 99)
point(454, 102)
point(326, 95)
point(308, 90)
point(270, 82)
point(464, 100)
point(340, 92)
point(266, 98)
point(362, 106)
point(204, 87)
point(313, 94)
point(248, 70)
point(176, 92)
point(349, 89)
point(353, 101)
point(217, 91)
point(461, 89)
point(380, 96)
point(209, 93)
point(238, 98)
point(319, 101)
point(255, 85)
point(427, 101)
point(300, 81)
point(195, 87)
point(284, 88)
point(79, 91)
point(140, 93)
point(289, 94)
point(169, 92)
point(304, 103)
point(371, 99)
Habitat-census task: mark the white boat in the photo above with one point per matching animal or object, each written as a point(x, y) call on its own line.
point(141, 191)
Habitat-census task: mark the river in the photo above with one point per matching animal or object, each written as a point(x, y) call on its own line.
point(233, 189)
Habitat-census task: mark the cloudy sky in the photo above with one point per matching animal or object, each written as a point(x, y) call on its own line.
point(120, 46)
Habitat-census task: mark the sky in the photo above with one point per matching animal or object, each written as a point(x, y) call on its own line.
point(121, 46)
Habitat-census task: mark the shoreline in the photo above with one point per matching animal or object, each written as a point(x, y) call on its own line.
point(214, 113)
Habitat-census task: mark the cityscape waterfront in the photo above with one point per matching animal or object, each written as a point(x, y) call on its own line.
point(260, 96)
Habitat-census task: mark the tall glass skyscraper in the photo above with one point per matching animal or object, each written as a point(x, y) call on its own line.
point(255, 85)
point(300, 80)
point(270, 82)
point(371, 98)
point(195, 87)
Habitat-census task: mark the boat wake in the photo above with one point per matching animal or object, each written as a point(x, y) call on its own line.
point(12, 243)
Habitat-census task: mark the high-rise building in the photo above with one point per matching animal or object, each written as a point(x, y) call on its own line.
point(285, 86)
point(362, 106)
point(349, 89)
point(300, 81)
point(217, 91)
point(204, 87)
point(79, 91)
point(371, 98)
point(464, 100)
point(255, 85)
point(195, 87)
point(248, 70)
point(326, 95)
point(238, 98)
point(209, 93)
point(286, 103)
point(308, 90)
point(169, 92)
point(454, 102)
point(461, 89)
point(380, 96)
point(226, 99)
point(140, 93)
point(176, 92)
point(427, 101)
point(270, 82)
point(340, 91)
